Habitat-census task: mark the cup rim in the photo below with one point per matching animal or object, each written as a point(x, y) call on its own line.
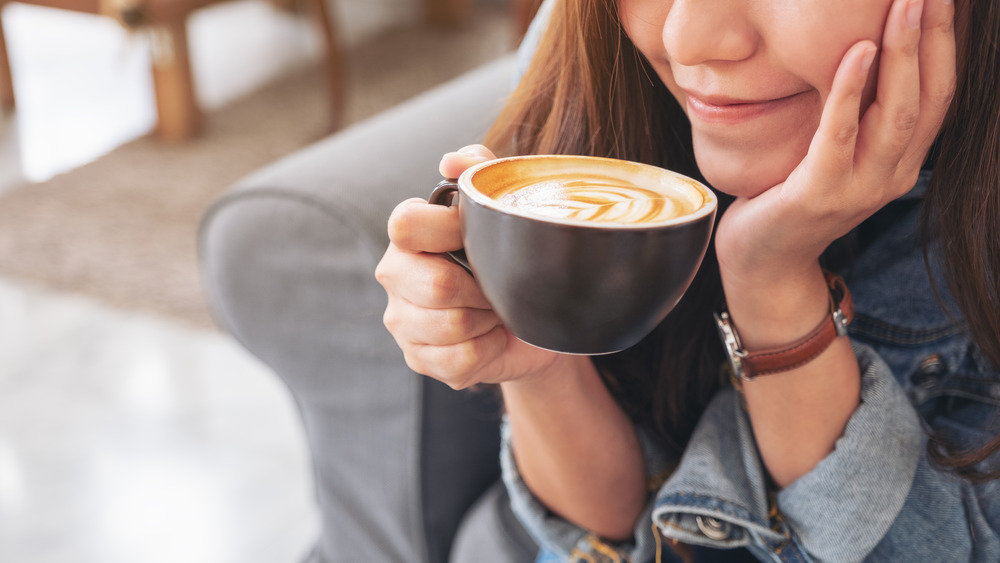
point(466, 187)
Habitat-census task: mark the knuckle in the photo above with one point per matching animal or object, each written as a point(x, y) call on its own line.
point(905, 120)
point(945, 25)
point(460, 322)
point(449, 365)
point(905, 46)
point(459, 384)
point(845, 135)
point(382, 272)
point(944, 94)
point(467, 355)
point(464, 361)
point(416, 364)
point(444, 286)
point(390, 319)
point(402, 223)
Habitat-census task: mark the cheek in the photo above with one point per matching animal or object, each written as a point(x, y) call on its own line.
point(802, 42)
point(813, 46)
point(643, 22)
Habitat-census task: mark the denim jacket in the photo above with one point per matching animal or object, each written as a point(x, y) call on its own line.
point(875, 497)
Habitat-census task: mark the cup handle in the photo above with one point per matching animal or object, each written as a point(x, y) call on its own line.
point(444, 194)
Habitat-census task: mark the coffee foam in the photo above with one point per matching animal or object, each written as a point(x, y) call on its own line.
point(597, 199)
point(589, 190)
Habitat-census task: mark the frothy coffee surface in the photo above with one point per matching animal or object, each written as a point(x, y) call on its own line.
point(598, 199)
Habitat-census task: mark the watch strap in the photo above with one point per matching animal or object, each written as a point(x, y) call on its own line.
point(806, 349)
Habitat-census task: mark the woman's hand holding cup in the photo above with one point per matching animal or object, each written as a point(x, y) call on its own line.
point(436, 311)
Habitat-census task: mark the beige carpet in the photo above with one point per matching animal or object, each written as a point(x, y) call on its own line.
point(122, 229)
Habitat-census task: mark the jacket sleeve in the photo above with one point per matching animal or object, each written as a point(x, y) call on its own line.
point(566, 540)
point(875, 497)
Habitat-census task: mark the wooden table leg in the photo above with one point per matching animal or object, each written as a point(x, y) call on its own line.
point(178, 115)
point(333, 60)
point(447, 13)
point(6, 81)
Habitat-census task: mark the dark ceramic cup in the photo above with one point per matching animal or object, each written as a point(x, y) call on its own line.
point(578, 285)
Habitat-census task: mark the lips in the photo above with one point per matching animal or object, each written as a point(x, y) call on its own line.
point(732, 111)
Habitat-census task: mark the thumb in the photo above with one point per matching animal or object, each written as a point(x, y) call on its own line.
point(454, 163)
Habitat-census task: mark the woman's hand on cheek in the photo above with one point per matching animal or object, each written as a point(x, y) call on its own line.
point(436, 311)
point(854, 165)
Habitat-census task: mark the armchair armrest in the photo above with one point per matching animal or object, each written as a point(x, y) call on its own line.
point(288, 258)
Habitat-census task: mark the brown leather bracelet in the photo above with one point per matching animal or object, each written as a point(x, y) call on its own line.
point(747, 365)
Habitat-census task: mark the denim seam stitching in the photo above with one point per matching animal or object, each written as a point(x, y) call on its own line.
point(695, 496)
point(880, 330)
point(958, 393)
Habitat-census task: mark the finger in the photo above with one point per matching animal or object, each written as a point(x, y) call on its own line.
point(454, 163)
point(890, 122)
point(459, 365)
point(437, 327)
point(417, 226)
point(831, 153)
point(428, 280)
point(937, 75)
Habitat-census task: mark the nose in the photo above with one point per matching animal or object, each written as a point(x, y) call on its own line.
point(703, 31)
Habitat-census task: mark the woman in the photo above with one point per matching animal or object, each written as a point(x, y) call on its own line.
point(844, 133)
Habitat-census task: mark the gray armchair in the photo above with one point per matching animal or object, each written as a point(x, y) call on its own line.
point(406, 469)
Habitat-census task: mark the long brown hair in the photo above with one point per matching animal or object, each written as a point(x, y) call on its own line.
point(589, 91)
point(962, 207)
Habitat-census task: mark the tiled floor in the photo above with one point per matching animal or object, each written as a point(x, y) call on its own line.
point(127, 439)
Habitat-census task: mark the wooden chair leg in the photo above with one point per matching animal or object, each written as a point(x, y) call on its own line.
point(446, 13)
point(179, 118)
point(6, 80)
point(333, 60)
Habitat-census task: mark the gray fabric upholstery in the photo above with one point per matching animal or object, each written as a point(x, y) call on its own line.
point(490, 532)
point(288, 259)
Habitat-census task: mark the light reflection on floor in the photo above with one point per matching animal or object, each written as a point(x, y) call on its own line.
point(125, 438)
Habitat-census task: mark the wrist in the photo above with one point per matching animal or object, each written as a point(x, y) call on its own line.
point(748, 364)
point(565, 371)
point(575, 449)
point(773, 308)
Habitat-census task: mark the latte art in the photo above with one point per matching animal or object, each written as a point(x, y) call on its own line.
point(594, 199)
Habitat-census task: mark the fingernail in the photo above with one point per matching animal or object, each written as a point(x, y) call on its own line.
point(471, 150)
point(913, 12)
point(867, 59)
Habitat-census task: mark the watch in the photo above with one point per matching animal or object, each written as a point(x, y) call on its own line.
point(748, 365)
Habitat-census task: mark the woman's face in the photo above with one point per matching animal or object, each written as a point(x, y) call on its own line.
point(752, 75)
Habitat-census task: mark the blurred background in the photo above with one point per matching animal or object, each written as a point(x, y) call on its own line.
point(131, 428)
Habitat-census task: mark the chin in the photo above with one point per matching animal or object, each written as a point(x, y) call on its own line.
point(745, 173)
point(737, 185)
